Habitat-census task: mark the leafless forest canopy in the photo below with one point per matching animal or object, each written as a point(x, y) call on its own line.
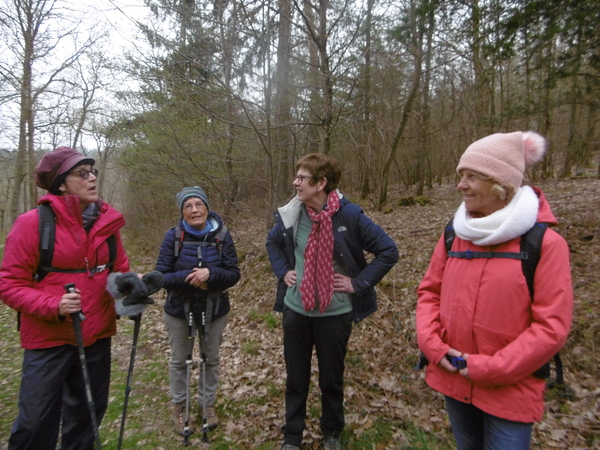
point(228, 94)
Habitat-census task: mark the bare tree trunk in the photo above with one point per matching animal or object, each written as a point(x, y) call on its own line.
point(283, 105)
point(35, 43)
point(417, 49)
point(326, 78)
point(587, 147)
point(573, 145)
point(365, 187)
point(425, 159)
point(546, 121)
point(26, 115)
point(479, 109)
point(228, 35)
point(315, 99)
point(31, 198)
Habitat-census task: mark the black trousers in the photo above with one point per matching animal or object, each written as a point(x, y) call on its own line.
point(329, 336)
point(52, 386)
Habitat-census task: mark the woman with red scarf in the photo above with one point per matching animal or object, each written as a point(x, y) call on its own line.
point(316, 250)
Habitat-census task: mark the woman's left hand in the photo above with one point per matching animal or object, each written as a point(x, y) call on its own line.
point(198, 278)
point(465, 372)
point(342, 283)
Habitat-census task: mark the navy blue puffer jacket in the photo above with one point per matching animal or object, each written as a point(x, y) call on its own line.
point(353, 233)
point(221, 261)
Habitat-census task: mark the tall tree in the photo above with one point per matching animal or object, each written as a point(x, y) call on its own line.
point(413, 33)
point(38, 28)
point(282, 110)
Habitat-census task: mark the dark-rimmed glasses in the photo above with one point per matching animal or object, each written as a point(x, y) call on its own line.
point(301, 178)
point(85, 174)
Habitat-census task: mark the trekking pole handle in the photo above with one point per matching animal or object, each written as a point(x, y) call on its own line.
point(71, 288)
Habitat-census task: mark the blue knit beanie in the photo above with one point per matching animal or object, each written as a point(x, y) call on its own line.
point(191, 191)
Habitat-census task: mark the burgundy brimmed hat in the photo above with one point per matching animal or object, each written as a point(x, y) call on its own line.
point(56, 163)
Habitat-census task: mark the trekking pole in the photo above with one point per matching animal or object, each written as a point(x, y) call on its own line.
point(203, 363)
point(187, 430)
point(136, 331)
point(77, 317)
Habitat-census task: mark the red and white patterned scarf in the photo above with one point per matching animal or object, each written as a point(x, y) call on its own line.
point(318, 257)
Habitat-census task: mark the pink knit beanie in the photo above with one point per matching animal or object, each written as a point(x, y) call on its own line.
point(504, 156)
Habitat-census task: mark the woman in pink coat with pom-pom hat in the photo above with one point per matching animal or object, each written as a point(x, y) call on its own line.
point(480, 309)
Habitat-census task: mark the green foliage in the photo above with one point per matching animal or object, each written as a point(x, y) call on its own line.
point(413, 201)
point(386, 434)
point(252, 347)
point(271, 320)
point(11, 358)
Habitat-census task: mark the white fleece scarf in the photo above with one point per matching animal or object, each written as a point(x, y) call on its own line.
point(514, 220)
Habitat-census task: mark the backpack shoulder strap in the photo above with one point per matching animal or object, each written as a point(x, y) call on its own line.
point(220, 238)
point(531, 243)
point(215, 241)
point(112, 250)
point(449, 235)
point(47, 231)
point(178, 240)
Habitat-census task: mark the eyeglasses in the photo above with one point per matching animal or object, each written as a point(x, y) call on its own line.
point(301, 178)
point(84, 173)
point(190, 206)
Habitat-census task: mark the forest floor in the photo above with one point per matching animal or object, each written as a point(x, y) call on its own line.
point(388, 405)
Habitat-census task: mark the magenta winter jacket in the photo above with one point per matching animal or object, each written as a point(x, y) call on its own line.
point(41, 327)
point(482, 307)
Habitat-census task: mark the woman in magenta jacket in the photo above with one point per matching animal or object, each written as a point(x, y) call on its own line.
point(52, 389)
point(481, 310)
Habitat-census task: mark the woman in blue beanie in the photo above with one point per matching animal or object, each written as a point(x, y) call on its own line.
point(199, 264)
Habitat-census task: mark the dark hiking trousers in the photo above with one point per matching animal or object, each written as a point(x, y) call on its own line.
point(329, 335)
point(51, 384)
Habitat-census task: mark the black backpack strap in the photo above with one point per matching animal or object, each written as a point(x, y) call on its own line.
point(112, 256)
point(47, 232)
point(559, 369)
point(112, 251)
point(449, 235)
point(531, 244)
point(469, 254)
point(217, 242)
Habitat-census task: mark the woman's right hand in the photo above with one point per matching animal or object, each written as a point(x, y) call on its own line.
point(70, 303)
point(198, 277)
point(290, 278)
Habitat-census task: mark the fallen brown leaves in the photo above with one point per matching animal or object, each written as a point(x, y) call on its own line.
point(380, 381)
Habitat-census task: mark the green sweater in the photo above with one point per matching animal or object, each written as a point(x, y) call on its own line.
point(341, 302)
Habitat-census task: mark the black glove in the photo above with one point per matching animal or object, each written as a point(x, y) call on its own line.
point(132, 293)
point(131, 287)
point(153, 281)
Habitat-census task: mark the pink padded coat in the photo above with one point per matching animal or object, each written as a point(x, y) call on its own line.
point(41, 327)
point(482, 307)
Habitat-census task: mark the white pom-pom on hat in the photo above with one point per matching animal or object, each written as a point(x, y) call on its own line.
point(534, 147)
